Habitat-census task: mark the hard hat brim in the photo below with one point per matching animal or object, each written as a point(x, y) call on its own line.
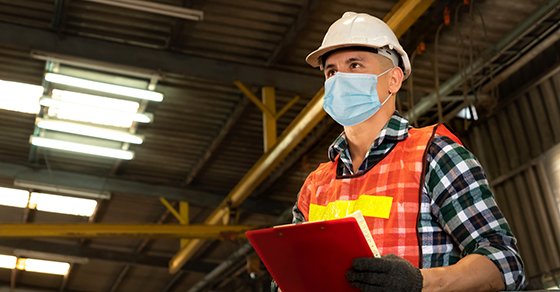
point(314, 58)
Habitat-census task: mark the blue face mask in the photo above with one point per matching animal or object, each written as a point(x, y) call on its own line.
point(351, 98)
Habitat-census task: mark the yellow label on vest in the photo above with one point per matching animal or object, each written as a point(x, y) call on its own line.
point(371, 206)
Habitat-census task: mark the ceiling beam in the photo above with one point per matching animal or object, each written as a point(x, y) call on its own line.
point(74, 250)
point(182, 231)
point(196, 197)
point(308, 7)
point(158, 60)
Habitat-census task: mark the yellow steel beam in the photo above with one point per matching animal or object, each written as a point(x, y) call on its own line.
point(184, 214)
point(405, 13)
point(269, 121)
point(310, 116)
point(252, 97)
point(287, 106)
point(172, 210)
point(123, 230)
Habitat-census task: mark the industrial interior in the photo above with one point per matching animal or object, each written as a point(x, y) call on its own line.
point(140, 139)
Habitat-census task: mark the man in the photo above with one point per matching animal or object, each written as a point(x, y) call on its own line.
point(425, 197)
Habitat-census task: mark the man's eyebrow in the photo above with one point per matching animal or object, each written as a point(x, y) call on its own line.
point(353, 59)
point(347, 61)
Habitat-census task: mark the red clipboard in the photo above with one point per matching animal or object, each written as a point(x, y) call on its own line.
point(312, 256)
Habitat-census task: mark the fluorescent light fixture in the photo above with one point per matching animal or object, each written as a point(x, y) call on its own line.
point(96, 101)
point(465, 113)
point(24, 253)
point(91, 131)
point(7, 261)
point(49, 202)
point(104, 87)
point(42, 266)
point(20, 97)
point(13, 197)
point(96, 65)
point(79, 192)
point(34, 265)
point(157, 8)
point(81, 148)
point(84, 113)
point(62, 204)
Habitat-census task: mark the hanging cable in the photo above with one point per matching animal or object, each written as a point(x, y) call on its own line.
point(411, 82)
point(436, 75)
point(490, 68)
point(461, 51)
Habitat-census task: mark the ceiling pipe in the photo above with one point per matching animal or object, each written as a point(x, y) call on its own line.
point(528, 57)
point(428, 102)
point(232, 260)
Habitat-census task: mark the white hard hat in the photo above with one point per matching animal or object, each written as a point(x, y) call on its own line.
point(360, 30)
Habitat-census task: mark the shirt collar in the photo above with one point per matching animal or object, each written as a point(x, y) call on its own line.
point(396, 129)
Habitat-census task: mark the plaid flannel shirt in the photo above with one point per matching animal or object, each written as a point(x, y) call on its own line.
point(458, 213)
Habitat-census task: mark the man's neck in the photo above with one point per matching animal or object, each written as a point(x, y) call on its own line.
point(360, 137)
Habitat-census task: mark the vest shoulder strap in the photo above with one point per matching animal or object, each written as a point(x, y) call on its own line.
point(438, 129)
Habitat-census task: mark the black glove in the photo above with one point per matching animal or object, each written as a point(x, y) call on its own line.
point(388, 273)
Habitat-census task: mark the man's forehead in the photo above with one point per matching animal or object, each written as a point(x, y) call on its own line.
point(350, 55)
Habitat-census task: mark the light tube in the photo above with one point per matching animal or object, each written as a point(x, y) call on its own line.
point(103, 116)
point(81, 148)
point(20, 97)
point(91, 131)
point(62, 204)
point(49, 202)
point(7, 261)
point(104, 87)
point(42, 266)
point(95, 101)
point(34, 265)
point(13, 197)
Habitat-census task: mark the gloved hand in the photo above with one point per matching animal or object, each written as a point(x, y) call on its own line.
point(388, 273)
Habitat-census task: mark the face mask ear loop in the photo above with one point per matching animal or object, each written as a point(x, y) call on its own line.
point(386, 99)
point(385, 72)
point(388, 96)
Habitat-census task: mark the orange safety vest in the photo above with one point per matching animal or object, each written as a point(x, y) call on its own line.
point(389, 194)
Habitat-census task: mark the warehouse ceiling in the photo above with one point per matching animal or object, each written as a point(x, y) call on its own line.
point(204, 143)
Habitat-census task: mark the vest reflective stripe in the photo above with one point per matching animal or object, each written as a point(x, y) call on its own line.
point(371, 206)
point(388, 194)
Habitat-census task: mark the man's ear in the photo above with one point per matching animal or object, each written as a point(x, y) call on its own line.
point(396, 79)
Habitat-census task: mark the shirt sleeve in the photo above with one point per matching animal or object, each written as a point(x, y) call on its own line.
point(466, 209)
point(297, 215)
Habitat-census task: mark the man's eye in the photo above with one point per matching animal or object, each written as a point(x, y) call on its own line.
point(331, 73)
point(355, 65)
